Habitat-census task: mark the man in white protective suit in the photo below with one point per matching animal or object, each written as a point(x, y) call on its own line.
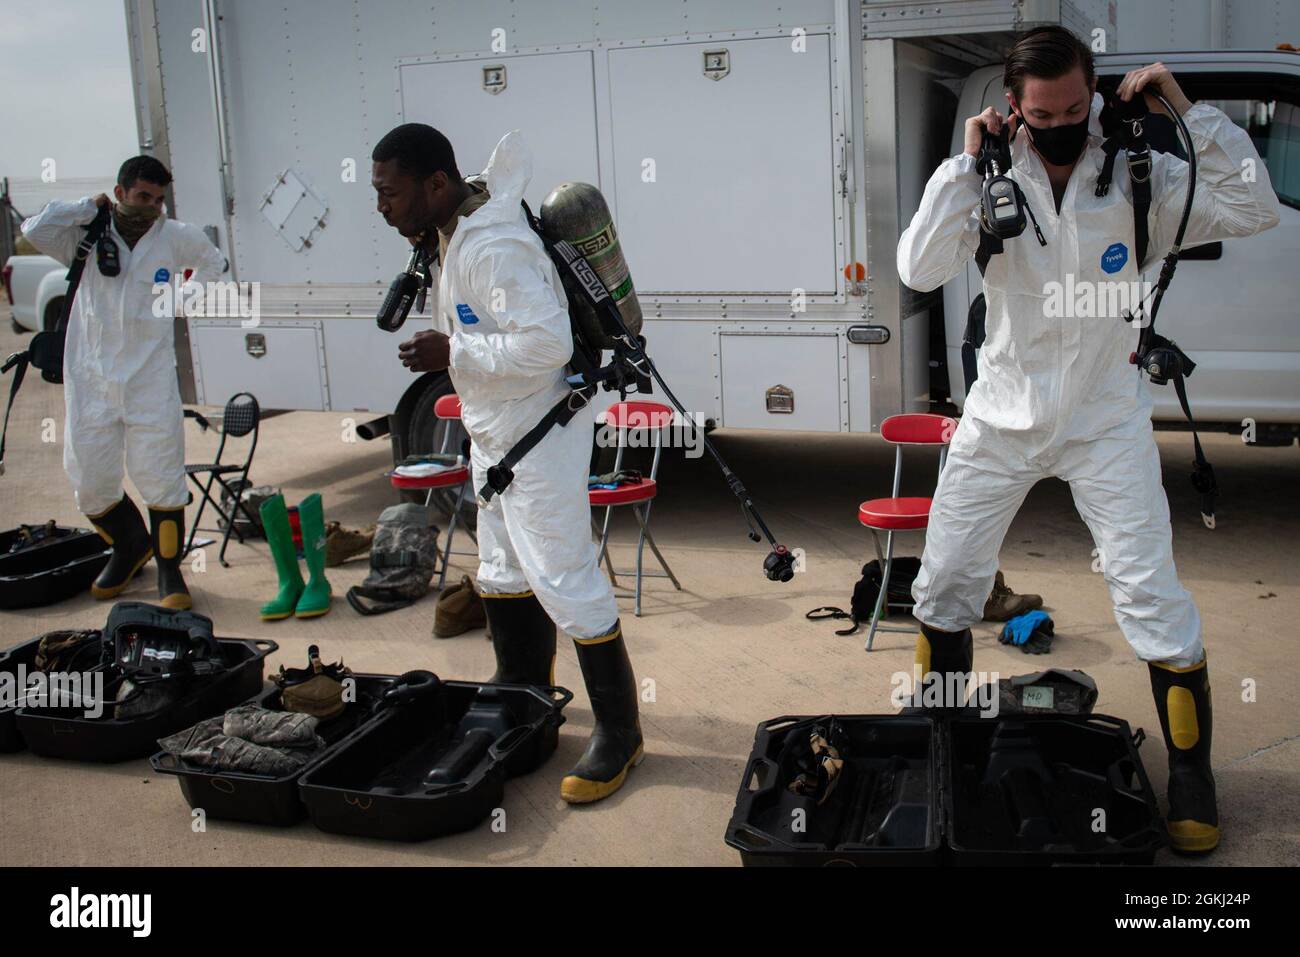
point(1058, 396)
point(121, 394)
point(505, 340)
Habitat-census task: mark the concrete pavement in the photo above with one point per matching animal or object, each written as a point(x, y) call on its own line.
point(728, 651)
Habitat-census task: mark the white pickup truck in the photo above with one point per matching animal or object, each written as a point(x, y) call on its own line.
point(36, 285)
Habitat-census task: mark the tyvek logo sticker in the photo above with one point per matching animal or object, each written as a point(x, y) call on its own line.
point(1114, 258)
point(466, 314)
point(162, 275)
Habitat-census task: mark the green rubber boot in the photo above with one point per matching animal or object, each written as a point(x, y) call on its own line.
point(275, 520)
point(315, 599)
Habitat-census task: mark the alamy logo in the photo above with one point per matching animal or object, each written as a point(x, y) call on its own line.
point(1114, 258)
point(74, 910)
point(55, 689)
point(466, 314)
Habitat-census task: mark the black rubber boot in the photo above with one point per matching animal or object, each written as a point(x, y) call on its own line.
point(1186, 718)
point(121, 526)
point(168, 525)
point(616, 743)
point(523, 637)
point(943, 664)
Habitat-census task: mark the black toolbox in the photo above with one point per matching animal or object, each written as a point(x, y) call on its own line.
point(1044, 789)
point(263, 799)
point(437, 765)
point(23, 657)
point(53, 569)
point(67, 733)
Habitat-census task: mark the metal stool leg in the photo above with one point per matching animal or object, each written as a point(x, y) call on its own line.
point(650, 540)
point(604, 547)
point(883, 597)
point(451, 533)
point(640, 547)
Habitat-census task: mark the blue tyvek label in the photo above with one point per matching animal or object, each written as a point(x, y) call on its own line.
point(466, 314)
point(162, 275)
point(1114, 258)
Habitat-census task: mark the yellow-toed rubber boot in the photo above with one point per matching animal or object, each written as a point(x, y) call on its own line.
point(523, 637)
point(1183, 702)
point(616, 745)
point(123, 527)
point(167, 525)
point(942, 669)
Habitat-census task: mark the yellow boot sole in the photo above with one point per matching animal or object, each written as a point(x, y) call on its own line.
point(1192, 837)
point(576, 790)
point(103, 594)
point(180, 601)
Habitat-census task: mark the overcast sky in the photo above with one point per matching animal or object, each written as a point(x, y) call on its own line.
point(65, 88)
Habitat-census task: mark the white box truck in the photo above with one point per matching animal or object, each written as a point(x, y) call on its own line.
point(760, 158)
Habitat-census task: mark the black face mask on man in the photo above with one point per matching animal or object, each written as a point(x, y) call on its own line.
point(1059, 145)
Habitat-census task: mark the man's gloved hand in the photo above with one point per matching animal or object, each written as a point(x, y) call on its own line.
point(990, 120)
point(428, 351)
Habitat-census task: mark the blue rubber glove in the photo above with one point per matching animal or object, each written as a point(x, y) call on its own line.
point(1017, 630)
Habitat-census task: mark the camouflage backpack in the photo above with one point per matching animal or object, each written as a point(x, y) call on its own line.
point(402, 561)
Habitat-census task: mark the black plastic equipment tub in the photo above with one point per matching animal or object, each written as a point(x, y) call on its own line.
point(262, 799)
point(11, 660)
point(437, 765)
point(1050, 789)
point(68, 733)
point(882, 812)
point(1021, 790)
point(51, 570)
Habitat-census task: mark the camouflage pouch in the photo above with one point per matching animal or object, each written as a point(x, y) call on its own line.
point(280, 729)
point(224, 753)
point(61, 650)
point(403, 558)
point(314, 690)
point(1054, 691)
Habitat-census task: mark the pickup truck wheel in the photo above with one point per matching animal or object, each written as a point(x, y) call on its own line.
point(426, 433)
point(51, 317)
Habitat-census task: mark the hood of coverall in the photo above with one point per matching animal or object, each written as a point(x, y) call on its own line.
point(508, 173)
point(500, 405)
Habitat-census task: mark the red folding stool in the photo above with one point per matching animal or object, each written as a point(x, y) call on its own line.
point(895, 514)
point(627, 417)
point(447, 407)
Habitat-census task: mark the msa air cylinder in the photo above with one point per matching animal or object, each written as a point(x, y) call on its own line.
point(577, 213)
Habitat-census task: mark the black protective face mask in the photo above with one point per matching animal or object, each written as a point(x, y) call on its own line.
point(1059, 145)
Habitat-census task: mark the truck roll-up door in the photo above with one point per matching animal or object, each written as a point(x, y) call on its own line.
point(725, 167)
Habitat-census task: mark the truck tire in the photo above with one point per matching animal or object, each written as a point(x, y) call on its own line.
point(51, 317)
point(422, 431)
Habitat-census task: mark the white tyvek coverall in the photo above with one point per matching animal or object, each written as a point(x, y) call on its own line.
point(1058, 396)
point(504, 305)
point(119, 363)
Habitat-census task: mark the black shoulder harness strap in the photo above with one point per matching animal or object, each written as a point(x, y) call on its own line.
point(1137, 154)
point(1131, 138)
point(578, 276)
point(46, 348)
